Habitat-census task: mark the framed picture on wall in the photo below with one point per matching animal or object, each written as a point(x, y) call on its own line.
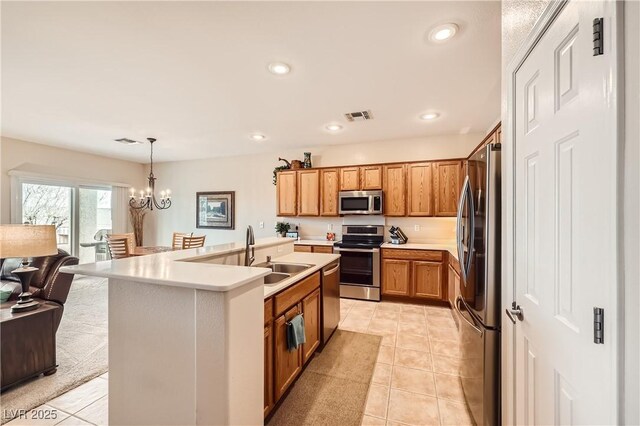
point(215, 210)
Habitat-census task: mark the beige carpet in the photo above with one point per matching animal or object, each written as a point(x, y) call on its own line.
point(332, 390)
point(82, 352)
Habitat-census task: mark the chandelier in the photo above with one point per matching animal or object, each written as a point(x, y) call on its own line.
point(148, 200)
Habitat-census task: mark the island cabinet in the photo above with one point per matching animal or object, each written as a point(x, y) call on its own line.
point(268, 356)
point(446, 185)
point(286, 193)
point(394, 187)
point(308, 192)
point(417, 274)
point(329, 187)
point(285, 366)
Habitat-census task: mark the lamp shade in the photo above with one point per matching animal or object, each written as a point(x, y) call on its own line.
point(27, 241)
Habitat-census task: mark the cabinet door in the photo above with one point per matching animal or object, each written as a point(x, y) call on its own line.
point(427, 280)
point(394, 187)
point(311, 310)
point(446, 185)
point(329, 186)
point(451, 290)
point(349, 179)
point(396, 277)
point(268, 368)
point(420, 189)
point(287, 364)
point(308, 192)
point(286, 192)
point(302, 249)
point(371, 177)
point(323, 249)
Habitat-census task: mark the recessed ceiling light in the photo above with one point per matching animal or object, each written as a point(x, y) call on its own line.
point(429, 116)
point(279, 68)
point(333, 127)
point(443, 32)
point(257, 137)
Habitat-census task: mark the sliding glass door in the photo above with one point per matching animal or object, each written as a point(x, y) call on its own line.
point(81, 215)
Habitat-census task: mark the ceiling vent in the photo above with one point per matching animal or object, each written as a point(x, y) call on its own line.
point(359, 116)
point(126, 141)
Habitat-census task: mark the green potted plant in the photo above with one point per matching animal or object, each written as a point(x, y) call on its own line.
point(282, 228)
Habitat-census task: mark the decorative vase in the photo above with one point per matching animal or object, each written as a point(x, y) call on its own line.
point(307, 160)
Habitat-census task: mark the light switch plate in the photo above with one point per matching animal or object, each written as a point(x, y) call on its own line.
point(416, 227)
point(261, 225)
point(330, 227)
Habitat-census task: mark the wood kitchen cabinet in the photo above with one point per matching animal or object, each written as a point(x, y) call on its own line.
point(370, 178)
point(312, 249)
point(308, 192)
point(417, 274)
point(394, 189)
point(268, 368)
point(396, 277)
point(286, 193)
point(349, 178)
point(288, 364)
point(446, 186)
point(420, 189)
point(311, 311)
point(329, 187)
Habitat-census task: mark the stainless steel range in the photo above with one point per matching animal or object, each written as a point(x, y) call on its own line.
point(360, 261)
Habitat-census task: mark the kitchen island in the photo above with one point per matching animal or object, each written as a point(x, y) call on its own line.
point(186, 333)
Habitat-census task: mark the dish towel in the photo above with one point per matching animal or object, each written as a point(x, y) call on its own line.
point(295, 332)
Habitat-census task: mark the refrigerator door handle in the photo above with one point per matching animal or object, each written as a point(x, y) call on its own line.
point(471, 324)
point(465, 264)
point(459, 231)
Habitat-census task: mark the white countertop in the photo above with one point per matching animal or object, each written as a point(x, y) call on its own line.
point(318, 260)
point(449, 246)
point(314, 243)
point(174, 269)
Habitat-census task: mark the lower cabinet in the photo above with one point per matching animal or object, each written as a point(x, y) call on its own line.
point(418, 274)
point(312, 249)
point(287, 363)
point(282, 367)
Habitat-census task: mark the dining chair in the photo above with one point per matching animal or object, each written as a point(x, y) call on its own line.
point(176, 241)
point(193, 242)
point(118, 247)
point(131, 239)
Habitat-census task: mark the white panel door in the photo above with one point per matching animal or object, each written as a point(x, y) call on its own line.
point(565, 224)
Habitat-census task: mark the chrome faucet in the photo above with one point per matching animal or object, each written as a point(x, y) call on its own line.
point(248, 248)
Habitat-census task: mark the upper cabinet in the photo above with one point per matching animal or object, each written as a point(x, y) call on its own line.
point(420, 189)
point(308, 192)
point(394, 187)
point(371, 178)
point(329, 186)
point(446, 185)
point(350, 179)
point(286, 193)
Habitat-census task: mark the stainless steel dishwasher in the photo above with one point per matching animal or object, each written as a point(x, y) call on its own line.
point(330, 299)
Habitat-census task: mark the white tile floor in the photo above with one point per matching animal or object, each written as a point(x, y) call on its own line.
point(416, 377)
point(415, 381)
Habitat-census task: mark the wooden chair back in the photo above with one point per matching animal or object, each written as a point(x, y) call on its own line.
point(176, 241)
point(193, 242)
point(118, 247)
point(131, 239)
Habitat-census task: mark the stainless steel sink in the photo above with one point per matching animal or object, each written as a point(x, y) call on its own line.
point(281, 270)
point(275, 277)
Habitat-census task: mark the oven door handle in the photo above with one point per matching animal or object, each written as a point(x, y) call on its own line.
point(375, 250)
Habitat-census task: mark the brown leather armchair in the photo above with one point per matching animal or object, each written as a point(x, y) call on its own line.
point(48, 283)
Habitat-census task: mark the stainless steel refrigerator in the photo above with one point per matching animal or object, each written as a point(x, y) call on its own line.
point(478, 305)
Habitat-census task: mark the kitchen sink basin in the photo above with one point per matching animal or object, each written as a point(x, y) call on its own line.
point(275, 277)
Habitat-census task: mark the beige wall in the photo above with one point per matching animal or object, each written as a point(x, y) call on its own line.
point(32, 157)
point(251, 178)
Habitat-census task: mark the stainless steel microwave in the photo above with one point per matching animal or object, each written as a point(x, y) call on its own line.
point(360, 202)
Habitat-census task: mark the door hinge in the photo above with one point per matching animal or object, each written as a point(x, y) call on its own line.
point(598, 35)
point(598, 326)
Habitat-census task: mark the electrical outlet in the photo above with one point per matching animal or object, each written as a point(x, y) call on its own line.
point(416, 227)
point(330, 227)
point(261, 225)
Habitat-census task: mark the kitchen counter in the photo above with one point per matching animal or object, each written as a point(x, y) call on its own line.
point(449, 246)
point(182, 268)
point(318, 260)
point(314, 243)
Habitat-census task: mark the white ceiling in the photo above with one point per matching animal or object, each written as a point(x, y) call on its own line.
point(194, 75)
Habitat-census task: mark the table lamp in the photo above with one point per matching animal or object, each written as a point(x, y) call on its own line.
point(26, 241)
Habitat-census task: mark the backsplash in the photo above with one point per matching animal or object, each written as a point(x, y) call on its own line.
point(431, 229)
